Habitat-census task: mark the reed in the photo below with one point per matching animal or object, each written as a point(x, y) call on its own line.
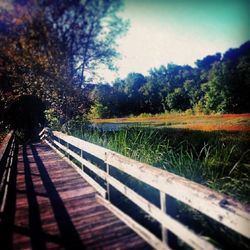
point(219, 160)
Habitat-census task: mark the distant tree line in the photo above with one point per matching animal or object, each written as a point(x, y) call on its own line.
point(218, 84)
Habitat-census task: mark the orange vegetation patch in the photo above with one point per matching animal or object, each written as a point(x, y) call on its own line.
point(227, 122)
point(174, 117)
point(207, 127)
point(247, 116)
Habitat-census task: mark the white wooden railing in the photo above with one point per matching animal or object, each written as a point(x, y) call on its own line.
point(7, 149)
point(220, 208)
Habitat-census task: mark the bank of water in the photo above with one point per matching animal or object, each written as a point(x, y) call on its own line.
point(112, 126)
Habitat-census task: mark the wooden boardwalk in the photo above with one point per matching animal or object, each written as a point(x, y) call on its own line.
point(50, 206)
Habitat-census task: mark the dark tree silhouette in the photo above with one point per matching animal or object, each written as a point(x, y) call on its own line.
point(26, 116)
point(50, 49)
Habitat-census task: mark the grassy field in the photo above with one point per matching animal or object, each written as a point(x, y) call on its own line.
point(213, 150)
point(227, 122)
point(218, 159)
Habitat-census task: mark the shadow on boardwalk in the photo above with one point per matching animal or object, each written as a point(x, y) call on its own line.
point(50, 206)
point(68, 237)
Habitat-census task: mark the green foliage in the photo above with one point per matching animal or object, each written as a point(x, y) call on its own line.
point(52, 118)
point(219, 84)
point(208, 61)
point(215, 159)
point(76, 124)
point(48, 46)
point(98, 110)
point(217, 96)
point(198, 108)
point(177, 100)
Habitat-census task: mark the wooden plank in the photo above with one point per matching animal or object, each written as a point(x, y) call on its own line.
point(168, 222)
point(93, 183)
point(88, 147)
point(145, 234)
point(86, 163)
point(164, 210)
point(107, 179)
point(225, 210)
point(68, 215)
point(181, 231)
point(44, 131)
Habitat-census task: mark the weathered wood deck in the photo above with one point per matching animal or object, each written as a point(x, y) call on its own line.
point(50, 206)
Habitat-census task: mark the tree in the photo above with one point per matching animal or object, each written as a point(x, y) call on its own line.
point(177, 100)
point(50, 49)
point(192, 88)
point(207, 62)
point(157, 87)
point(217, 85)
point(98, 110)
point(133, 84)
point(103, 104)
point(120, 98)
point(217, 95)
point(152, 97)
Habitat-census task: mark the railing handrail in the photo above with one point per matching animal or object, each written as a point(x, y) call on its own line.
point(6, 160)
point(219, 207)
point(4, 144)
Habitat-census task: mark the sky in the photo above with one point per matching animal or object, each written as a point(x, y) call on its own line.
point(178, 31)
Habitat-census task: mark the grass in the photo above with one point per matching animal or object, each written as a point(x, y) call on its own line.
point(227, 122)
point(219, 160)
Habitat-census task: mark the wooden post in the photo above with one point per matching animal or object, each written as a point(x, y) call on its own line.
point(82, 157)
point(164, 209)
point(68, 152)
point(107, 182)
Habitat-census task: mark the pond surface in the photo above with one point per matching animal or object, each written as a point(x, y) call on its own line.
point(113, 126)
point(184, 125)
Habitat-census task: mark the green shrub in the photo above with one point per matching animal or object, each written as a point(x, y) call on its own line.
point(52, 118)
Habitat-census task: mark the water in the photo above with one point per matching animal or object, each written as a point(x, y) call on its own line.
point(112, 126)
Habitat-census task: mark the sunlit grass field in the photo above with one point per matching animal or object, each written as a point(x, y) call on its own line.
point(217, 159)
point(226, 122)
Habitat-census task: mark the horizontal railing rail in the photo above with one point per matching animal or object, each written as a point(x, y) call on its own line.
point(4, 144)
point(7, 149)
point(219, 207)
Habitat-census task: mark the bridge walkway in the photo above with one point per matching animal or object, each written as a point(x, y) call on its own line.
point(50, 206)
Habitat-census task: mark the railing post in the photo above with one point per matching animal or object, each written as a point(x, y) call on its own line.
point(164, 209)
point(81, 157)
point(107, 182)
point(68, 151)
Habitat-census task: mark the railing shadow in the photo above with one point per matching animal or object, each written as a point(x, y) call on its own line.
point(8, 215)
point(67, 238)
point(70, 238)
point(35, 225)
